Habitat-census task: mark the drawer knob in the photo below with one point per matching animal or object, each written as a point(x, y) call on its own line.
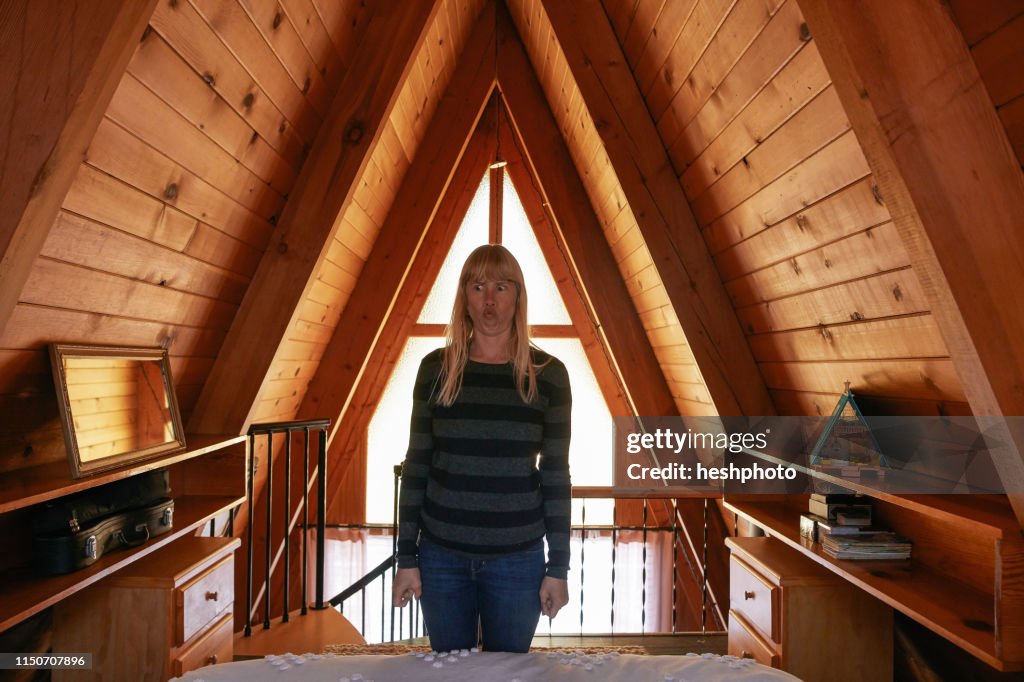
point(749, 595)
point(746, 654)
point(211, 596)
point(211, 660)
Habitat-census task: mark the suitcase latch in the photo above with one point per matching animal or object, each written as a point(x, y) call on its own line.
point(168, 516)
point(90, 547)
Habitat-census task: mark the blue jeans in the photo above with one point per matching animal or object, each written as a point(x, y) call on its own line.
point(502, 593)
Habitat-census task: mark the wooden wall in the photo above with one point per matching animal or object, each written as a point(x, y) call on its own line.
point(299, 358)
point(631, 254)
point(786, 204)
point(994, 30)
point(172, 209)
point(169, 214)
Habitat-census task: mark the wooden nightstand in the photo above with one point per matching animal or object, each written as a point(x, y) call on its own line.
point(164, 615)
point(787, 612)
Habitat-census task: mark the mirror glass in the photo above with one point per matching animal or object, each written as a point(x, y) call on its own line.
point(117, 405)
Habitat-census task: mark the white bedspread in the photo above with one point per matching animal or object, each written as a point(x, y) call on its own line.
point(487, 667)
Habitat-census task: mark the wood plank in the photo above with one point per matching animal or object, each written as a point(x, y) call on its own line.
point(549, 161)
point(328, 60)
point(799, 403)
point(701, 27)
point(284, 40)
point(657, 200)
point(185, 30)
point(117, 152)
point(824, 172)
point(33, 327)
point(323, 191)
point(673, 18)
point(808, 131)
point(170, 78)
point(741, 27)
point(89, 244)
point(236, 30)
point(847, 212)
point(213, 246)
point(923, 106)
point(61, 285)
point(638, 33)
point(978, 19)
point(141, 112)
point(999, 58)
point(777, 44)
point(100, 197)
point(925, 379)
point(64, 62)
point(913, 336)
point(797, 83)
point(886, 295)
point(874, 251)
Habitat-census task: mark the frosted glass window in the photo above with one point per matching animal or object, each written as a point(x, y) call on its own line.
point(545, 303)
point(474, 231)
point(590, 454)
point(388, 436)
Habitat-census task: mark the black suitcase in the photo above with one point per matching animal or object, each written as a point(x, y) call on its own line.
point(76, 530)
point(67, 551)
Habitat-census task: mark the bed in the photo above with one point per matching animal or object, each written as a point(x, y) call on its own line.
point(485, 666)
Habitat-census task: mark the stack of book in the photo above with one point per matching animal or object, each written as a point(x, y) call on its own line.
point(874, 546)
point(842, 524)
point(835, 514)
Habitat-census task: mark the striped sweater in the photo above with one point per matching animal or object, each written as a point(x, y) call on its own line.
point(472, 480)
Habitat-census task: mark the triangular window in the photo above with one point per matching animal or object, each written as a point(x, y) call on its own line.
point(551, 329)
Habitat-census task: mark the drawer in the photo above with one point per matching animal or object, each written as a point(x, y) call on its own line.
point(755, 598)
point(746, 643)
point(215, 646)
point(204, 598)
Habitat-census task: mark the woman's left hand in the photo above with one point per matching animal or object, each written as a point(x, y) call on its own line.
point(554, 594)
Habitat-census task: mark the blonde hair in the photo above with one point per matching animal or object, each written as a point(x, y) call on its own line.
point(491, 262)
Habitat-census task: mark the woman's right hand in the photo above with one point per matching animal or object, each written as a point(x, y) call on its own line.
point(406, 586)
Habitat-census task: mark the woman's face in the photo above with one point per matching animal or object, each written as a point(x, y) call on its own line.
point(492, 306)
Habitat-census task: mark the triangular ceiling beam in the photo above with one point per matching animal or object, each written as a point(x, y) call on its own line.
point(653, 192)
point(359, 329)
point(952, 184)
point(56, 103)
point(590, 257)
point(324, 189)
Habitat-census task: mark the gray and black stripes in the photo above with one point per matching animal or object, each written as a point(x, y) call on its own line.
point(488, 475)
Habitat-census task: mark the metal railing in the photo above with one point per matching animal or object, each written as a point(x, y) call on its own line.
point(687, 554)
point(291, 516)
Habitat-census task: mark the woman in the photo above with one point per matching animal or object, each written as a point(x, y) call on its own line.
point(477, 502)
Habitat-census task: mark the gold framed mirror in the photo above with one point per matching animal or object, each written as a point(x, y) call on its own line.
point(117, 405)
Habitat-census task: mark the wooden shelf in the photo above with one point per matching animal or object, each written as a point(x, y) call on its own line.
point(25, 594)
point(26, 487)
point(958, 611)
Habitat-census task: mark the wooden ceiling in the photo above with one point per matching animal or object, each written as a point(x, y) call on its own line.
point(249, 183)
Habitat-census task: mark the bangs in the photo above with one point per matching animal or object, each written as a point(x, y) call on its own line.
point(491, 264)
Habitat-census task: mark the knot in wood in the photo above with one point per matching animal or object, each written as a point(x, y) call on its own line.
point(171, 192)
point(282, 248)
point(248, 100)
point(354, 132)
point(277, 20)
point(805, 32)
point(209, 79)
